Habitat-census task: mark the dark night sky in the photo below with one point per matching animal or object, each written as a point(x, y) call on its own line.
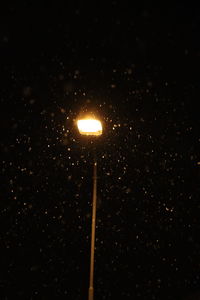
point(138, 68)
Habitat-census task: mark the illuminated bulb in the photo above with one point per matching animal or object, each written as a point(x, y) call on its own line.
point(89, 127)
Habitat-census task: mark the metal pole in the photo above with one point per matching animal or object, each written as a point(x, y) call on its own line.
point(94, 201)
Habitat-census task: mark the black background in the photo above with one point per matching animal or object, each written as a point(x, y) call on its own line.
point(137, 67)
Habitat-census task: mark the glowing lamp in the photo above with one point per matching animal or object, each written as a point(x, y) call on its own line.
point(89, 127)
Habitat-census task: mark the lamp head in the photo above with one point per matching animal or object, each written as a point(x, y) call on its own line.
point(89, 126)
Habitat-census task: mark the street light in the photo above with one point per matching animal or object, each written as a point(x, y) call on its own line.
point(91, 127)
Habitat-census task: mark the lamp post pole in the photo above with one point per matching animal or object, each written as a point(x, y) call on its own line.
point(91, 127)
point(94, 202)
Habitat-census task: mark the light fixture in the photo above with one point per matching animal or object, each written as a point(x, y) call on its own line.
point(89, 126)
